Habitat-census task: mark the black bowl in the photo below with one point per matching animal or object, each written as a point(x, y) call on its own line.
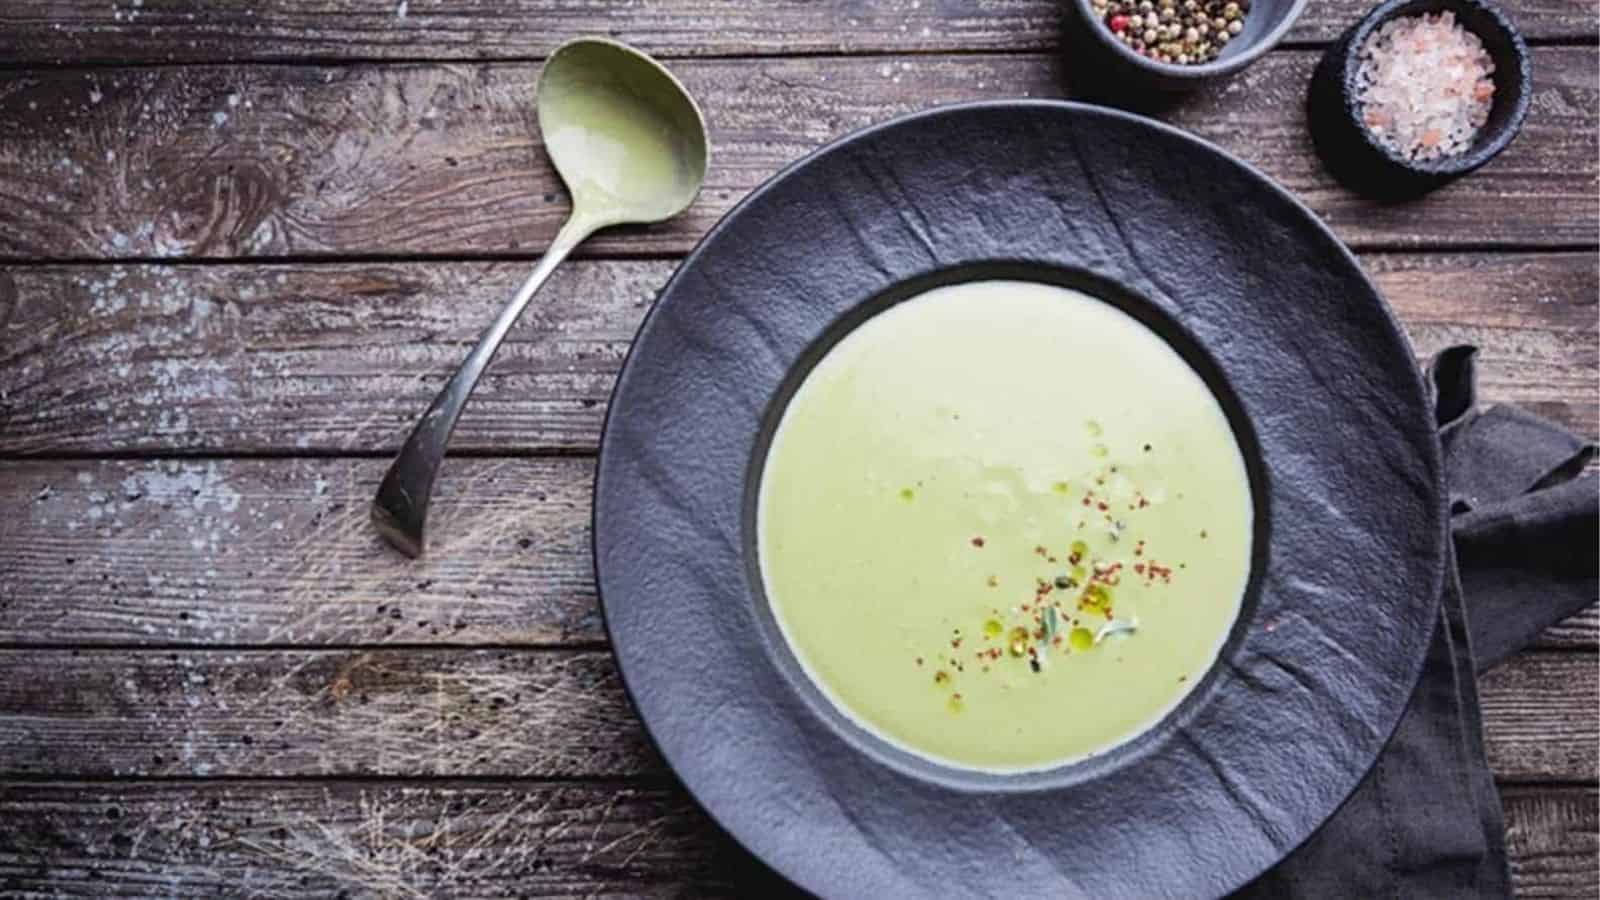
point(1258, 295)
point(1264, 26)
point(1356, 158)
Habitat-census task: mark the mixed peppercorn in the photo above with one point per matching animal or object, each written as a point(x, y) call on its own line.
point(1185, 32)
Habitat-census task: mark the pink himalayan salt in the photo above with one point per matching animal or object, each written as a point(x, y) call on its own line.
point(1423, 87)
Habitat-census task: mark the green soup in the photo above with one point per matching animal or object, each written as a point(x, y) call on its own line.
point(1004, 526)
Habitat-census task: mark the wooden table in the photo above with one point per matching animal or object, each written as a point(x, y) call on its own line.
point(242, 245)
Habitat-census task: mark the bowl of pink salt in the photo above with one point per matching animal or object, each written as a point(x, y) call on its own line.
point(1417, 94)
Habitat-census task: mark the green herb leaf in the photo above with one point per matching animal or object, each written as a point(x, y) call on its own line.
point(1052, 623)
point(1116, 626)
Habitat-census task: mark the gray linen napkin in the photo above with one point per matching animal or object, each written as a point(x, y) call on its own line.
point(1426, 821)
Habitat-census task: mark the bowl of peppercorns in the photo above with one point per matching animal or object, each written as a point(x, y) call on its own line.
point(1180, 44)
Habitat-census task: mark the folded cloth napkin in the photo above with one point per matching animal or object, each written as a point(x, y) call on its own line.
point(1426, 821)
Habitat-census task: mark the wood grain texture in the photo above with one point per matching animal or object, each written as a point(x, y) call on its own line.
point(499, 713)
point(279, 552)
point(1539, 716)
point(1553, 839)
point(432, 159)
point(341, 357)
point(164, 30)
point(274, 840)
point(484, 713)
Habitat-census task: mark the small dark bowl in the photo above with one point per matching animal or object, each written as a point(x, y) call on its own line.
point(1356, 158)
point(1264, 26)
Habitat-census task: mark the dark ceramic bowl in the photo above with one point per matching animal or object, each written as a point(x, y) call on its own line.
point(1356, 158)
point(1264, 26)
point(1203, 250)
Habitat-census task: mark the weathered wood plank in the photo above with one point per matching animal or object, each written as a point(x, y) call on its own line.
point(341, 357)
point(276, 840)
point(156, 31)
point(323, 358)
point(1553, 838)
point(490, 713)
point(496, 713)
point(1539, 716)
point(264, 839)
point(443, 159)
point(279, 551)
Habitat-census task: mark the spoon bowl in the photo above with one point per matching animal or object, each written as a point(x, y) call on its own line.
point(630, 144)
point(624, 134)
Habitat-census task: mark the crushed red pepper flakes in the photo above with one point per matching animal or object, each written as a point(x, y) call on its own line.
point(977, 542)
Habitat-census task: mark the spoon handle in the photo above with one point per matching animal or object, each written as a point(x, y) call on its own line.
point(400, 510)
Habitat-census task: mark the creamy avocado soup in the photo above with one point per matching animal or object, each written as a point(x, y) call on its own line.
point(1004, 526)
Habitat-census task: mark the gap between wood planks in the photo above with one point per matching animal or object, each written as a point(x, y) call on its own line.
point(642, 780)
point(287, 61)
point(1361, 248)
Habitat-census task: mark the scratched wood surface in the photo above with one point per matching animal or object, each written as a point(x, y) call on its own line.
point(499, 712)
point(164, 31)
point(513, 838)
point(338, 358)
point(438, 160)
point(241, 244)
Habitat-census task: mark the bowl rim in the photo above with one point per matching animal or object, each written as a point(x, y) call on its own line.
point(1199, 72)
point(610, 466)
point(1489, 143)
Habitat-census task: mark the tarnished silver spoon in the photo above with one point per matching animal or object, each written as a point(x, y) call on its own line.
point(630, 144)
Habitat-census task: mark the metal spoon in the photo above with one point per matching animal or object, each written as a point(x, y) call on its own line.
point(630, 144)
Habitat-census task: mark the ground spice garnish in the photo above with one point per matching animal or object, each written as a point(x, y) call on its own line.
point(977, 542)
